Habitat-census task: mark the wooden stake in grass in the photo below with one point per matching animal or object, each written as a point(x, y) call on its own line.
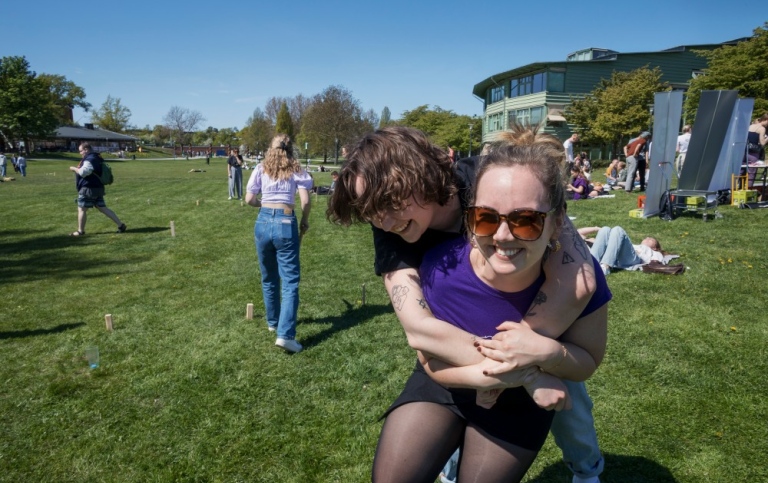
point(108, 320)
point(197, 202)
point(173, 228)
point(249, 311)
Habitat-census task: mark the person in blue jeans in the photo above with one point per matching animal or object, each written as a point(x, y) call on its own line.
point(278, 235)
point(615, 251)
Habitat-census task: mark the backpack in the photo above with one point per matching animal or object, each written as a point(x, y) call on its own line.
point(106, 174)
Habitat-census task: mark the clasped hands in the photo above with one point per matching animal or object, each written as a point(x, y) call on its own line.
point(513, 358)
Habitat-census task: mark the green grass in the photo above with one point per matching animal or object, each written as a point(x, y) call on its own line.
point(189, 390)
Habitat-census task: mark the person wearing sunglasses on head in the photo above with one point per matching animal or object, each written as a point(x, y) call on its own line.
point(414, 197)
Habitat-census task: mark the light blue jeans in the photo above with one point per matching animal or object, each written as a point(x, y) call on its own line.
point(2, 170)
point(236, 183)
point(277, 245)
point(574, 433)
point(613, 247)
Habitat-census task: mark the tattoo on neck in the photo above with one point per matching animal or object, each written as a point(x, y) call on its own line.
point(540, 298)
point(399, 293)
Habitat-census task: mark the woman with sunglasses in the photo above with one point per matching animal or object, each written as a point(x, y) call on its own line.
point(414, 197)
point(517, 211)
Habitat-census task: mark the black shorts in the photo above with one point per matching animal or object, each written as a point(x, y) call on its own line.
point(515, 418)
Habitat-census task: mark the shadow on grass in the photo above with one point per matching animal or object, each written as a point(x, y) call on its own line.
point(618, 468)
point(43, 257)
point(18, 334)
point(352, 315)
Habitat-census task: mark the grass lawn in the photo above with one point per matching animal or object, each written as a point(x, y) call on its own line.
point(189, 390)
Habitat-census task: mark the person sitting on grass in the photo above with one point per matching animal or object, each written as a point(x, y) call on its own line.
point(579, 185)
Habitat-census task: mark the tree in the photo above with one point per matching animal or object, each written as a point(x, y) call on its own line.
point(181, 122)
point(334, 119)
point(26, 107)
point(258, 131)
point(444, 127)
point(617, 109)
point(112, 115)
point(284, 124)
point(742, 67)
point(386, 117)
point(65, 96)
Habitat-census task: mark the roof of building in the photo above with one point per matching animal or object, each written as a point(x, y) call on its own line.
point(84, 133)
point(608, 56)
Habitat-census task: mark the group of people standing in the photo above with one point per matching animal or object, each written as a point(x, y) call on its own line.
point(19, 165)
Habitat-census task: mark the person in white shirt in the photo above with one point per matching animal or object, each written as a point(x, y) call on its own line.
point(682, 148)
point(2, 165)
point(568, 145)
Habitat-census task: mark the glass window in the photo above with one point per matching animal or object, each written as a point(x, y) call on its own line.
point(539, 82)
point(513, 85)
point(497, 94)
point(556, 82)
point(537, 113)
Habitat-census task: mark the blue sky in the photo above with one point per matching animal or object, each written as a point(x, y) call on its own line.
point(227, 58)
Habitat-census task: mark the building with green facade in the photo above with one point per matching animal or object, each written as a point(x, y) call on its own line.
point(538, 93)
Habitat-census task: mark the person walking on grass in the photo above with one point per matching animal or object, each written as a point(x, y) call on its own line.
point(21, 163)
point(90, 189)
point(278, 235)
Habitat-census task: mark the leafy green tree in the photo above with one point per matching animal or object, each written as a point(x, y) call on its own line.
point(26, 107)
point(386, 117)
point(65, 96)
point(334, 119)
point(444, 127)
point(258, 131)
point(284, 124)
point(112, 115)
point(617, 109)
point(742, 67)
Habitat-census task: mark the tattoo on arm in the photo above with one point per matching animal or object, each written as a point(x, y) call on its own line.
point(540, 298)
point(399, 293)
point(423, 304)
point(580, 245)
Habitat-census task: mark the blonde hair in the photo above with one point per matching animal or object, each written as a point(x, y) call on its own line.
point(542, 153)
point(279, 163)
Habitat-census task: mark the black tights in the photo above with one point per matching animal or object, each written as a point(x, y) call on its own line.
point(418, 438)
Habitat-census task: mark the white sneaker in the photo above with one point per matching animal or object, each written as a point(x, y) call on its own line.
point(229, 198)
point(271, 329)
point(289, 345)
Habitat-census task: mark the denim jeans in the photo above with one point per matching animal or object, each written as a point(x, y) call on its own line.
point(23, 170)
point(575, 434)
point(277, 245)
point(2, 171)
point(613, 247)
point(236, 183)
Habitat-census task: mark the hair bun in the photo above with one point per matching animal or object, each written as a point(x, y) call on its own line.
point(283, 146)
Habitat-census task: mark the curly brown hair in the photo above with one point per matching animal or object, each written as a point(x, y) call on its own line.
point(393, 164)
